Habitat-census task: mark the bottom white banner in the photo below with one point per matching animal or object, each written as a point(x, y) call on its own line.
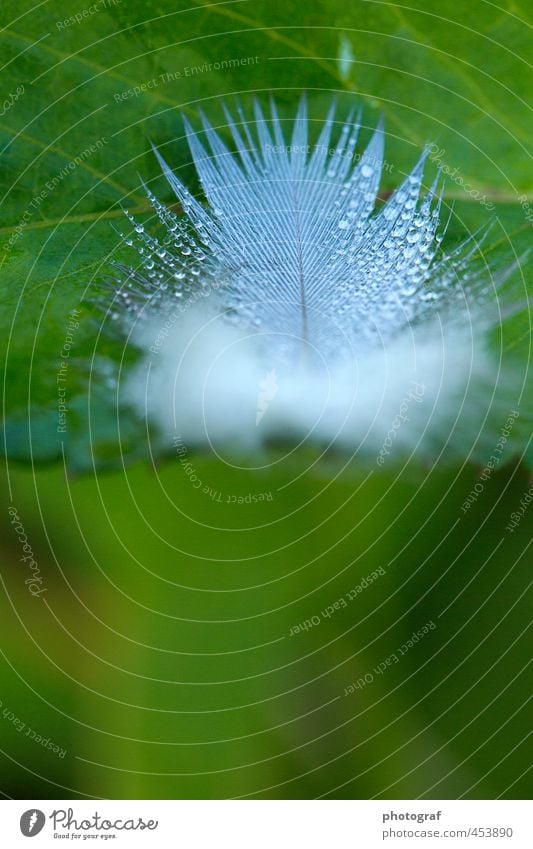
point(267, 824)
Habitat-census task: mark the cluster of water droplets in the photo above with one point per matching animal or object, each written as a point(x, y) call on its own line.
point(174, 267)
point(293, 234)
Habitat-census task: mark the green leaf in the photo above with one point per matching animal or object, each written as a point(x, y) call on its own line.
point(99, 87)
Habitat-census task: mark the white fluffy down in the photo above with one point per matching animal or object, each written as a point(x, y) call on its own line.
point(205, 383)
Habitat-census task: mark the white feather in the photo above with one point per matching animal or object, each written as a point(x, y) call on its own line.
point(348, 307)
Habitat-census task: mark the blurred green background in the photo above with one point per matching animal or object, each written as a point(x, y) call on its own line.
point(159, 659)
